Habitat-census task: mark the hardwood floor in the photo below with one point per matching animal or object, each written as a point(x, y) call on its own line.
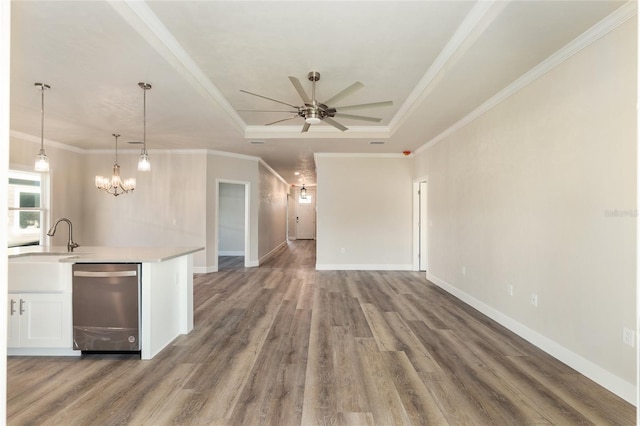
point(284, 344)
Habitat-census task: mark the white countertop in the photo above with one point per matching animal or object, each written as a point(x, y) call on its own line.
point(99, 254)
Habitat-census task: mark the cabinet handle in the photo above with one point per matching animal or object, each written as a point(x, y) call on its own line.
point(21, 306)
point(13, 307)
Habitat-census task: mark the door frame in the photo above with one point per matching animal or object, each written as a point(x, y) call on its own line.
point(247, 215)
point(420, 223)
point(297, 205)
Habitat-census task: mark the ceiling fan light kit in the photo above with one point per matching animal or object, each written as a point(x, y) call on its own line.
point(314, 112)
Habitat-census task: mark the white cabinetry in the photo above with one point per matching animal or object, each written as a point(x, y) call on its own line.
point(39, 320)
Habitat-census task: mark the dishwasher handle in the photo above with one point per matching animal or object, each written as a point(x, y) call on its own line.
point(104, 274)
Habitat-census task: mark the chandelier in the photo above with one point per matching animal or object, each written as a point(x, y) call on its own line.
point(115, 185)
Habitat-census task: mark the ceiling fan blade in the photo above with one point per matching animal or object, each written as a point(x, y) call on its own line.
point(371, 105)
point(284, 119)
point(306, 126)
point(358, 117)
point(271, 99)
point(343, 94)
point(263, 110)
point(298, 86)
point(334, 124)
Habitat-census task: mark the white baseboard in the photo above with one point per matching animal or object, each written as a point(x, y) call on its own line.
point(204, 269)
point(270, 254)
point(231, 253)
point(42, 352)
point(363, 267)
point(604, 378)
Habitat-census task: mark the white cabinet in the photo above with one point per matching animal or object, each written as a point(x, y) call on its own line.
point(39, 320)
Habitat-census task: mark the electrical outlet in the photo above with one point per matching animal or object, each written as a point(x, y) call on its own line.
point(628, 337)
point(510, 289)
point(534, 299)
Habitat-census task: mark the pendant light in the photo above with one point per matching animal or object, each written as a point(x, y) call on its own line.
point(42, 162)
point(303, 192)
point(114, 185)
point(143, 162)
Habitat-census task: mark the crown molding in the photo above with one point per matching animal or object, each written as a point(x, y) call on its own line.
point(47, 142)
point(605, 26)
point(316, 132)
point(357, 155)
point(142, 19)
point(473, 25)
point(273, 172)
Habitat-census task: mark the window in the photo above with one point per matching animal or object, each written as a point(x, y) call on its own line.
point(27, 211)
point(305, 200)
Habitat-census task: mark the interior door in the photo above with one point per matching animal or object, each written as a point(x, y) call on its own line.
point(306, 216)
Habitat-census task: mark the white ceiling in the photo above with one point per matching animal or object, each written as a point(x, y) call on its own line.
point(436, 60)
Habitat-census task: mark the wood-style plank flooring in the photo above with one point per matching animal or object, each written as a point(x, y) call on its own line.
point(283, 344)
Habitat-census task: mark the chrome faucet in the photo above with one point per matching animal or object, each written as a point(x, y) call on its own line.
point(70, 244)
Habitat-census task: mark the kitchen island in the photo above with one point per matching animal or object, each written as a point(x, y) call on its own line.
point(166, 292)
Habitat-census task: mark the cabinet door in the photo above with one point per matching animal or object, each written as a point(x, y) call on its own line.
point(13, 321)
point(45, 321)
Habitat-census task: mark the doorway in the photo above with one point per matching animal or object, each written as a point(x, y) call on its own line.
point(233, 224)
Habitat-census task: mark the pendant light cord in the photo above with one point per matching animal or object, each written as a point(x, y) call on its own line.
point(144, 120)
point(41, 117)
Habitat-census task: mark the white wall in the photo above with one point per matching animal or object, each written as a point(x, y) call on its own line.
point(5, 59)
point(167, 208)
point(523, 197)
point(231, 219)
point(172, 205)
point(364, 207)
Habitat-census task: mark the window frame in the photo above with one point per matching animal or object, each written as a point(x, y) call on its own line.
point(45, 204)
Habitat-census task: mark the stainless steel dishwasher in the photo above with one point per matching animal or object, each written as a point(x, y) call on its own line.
point(106, 314)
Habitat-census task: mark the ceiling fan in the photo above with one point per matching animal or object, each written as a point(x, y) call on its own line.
point(315, 112)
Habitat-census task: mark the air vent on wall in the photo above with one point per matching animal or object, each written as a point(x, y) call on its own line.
point(377, 142)
point(256, 142)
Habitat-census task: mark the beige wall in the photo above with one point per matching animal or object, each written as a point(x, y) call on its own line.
point(523, 197)
point(237, 169)
point(364, 206)
point(272, 213)
point(67, 169)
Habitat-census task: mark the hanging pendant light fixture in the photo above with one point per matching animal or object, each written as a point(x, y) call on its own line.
point(303, 192)
point(114, 185)
point(42, 162)
point(143, 162)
